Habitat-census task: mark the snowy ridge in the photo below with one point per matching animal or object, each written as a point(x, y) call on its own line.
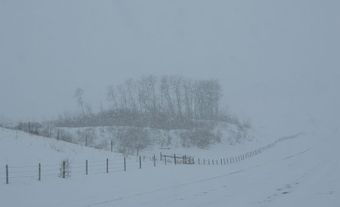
point(49, 169)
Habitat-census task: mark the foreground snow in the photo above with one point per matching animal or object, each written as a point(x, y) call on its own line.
point(297, 172)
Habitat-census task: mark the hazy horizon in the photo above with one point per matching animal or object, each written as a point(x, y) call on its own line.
point(275, 60)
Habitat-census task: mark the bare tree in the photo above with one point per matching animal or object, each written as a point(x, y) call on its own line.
point(78, 95)
point(112, 97)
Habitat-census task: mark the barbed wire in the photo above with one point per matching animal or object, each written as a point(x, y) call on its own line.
point(114, 165)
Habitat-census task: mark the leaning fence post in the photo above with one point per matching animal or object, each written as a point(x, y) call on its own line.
point(140, 162)
point(107, 165)
point(124, 164)
point(39, 172)
point(7, 181)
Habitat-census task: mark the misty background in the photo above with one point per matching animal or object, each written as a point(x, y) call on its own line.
point(277, 61)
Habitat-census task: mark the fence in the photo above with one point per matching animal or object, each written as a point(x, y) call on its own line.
point(66, 169)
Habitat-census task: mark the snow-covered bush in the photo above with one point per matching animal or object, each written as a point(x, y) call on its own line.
point(200, 137)
point(132, 139)
point(87, 136)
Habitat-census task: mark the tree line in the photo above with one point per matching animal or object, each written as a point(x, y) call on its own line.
point(173, 96)
point(167, 102)
point(191, 108)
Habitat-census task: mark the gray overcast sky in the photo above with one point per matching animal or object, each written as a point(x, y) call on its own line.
point(273, 58)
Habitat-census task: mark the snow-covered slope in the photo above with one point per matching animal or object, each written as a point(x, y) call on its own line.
point(232, 140)
point(19, 148)
point(303, 171)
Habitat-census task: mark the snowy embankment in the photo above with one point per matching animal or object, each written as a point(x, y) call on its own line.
point(296, 172)
point(19, 148)
point(233, 140)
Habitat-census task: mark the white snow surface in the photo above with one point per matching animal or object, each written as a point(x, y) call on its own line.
point(302, 171)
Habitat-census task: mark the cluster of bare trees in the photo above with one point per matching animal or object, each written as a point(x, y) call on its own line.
point(190, 107)
point(168, 102)
point(172, 96)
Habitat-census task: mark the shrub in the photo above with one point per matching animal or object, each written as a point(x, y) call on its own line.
point(132, 139)
point(200, 137)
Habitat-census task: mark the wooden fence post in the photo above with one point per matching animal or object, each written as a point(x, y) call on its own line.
point(111, 146)
point(7, 180)
point(107, 165)
point(39, 172)
point(64, 169)
point(175, 159)
point(154, 160)
point(140, 162)
point(124, 164)
point(86, 167)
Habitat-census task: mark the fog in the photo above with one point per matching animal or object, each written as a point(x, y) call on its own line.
point(278, 61)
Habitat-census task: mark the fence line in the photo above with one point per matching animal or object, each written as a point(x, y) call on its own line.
point(67, 169)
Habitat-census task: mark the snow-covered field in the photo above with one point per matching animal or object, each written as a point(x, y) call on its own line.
point(303, 171)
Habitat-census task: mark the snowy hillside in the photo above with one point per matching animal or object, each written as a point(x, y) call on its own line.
point(300, 171)
point(20, 149)
point(169, 140)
